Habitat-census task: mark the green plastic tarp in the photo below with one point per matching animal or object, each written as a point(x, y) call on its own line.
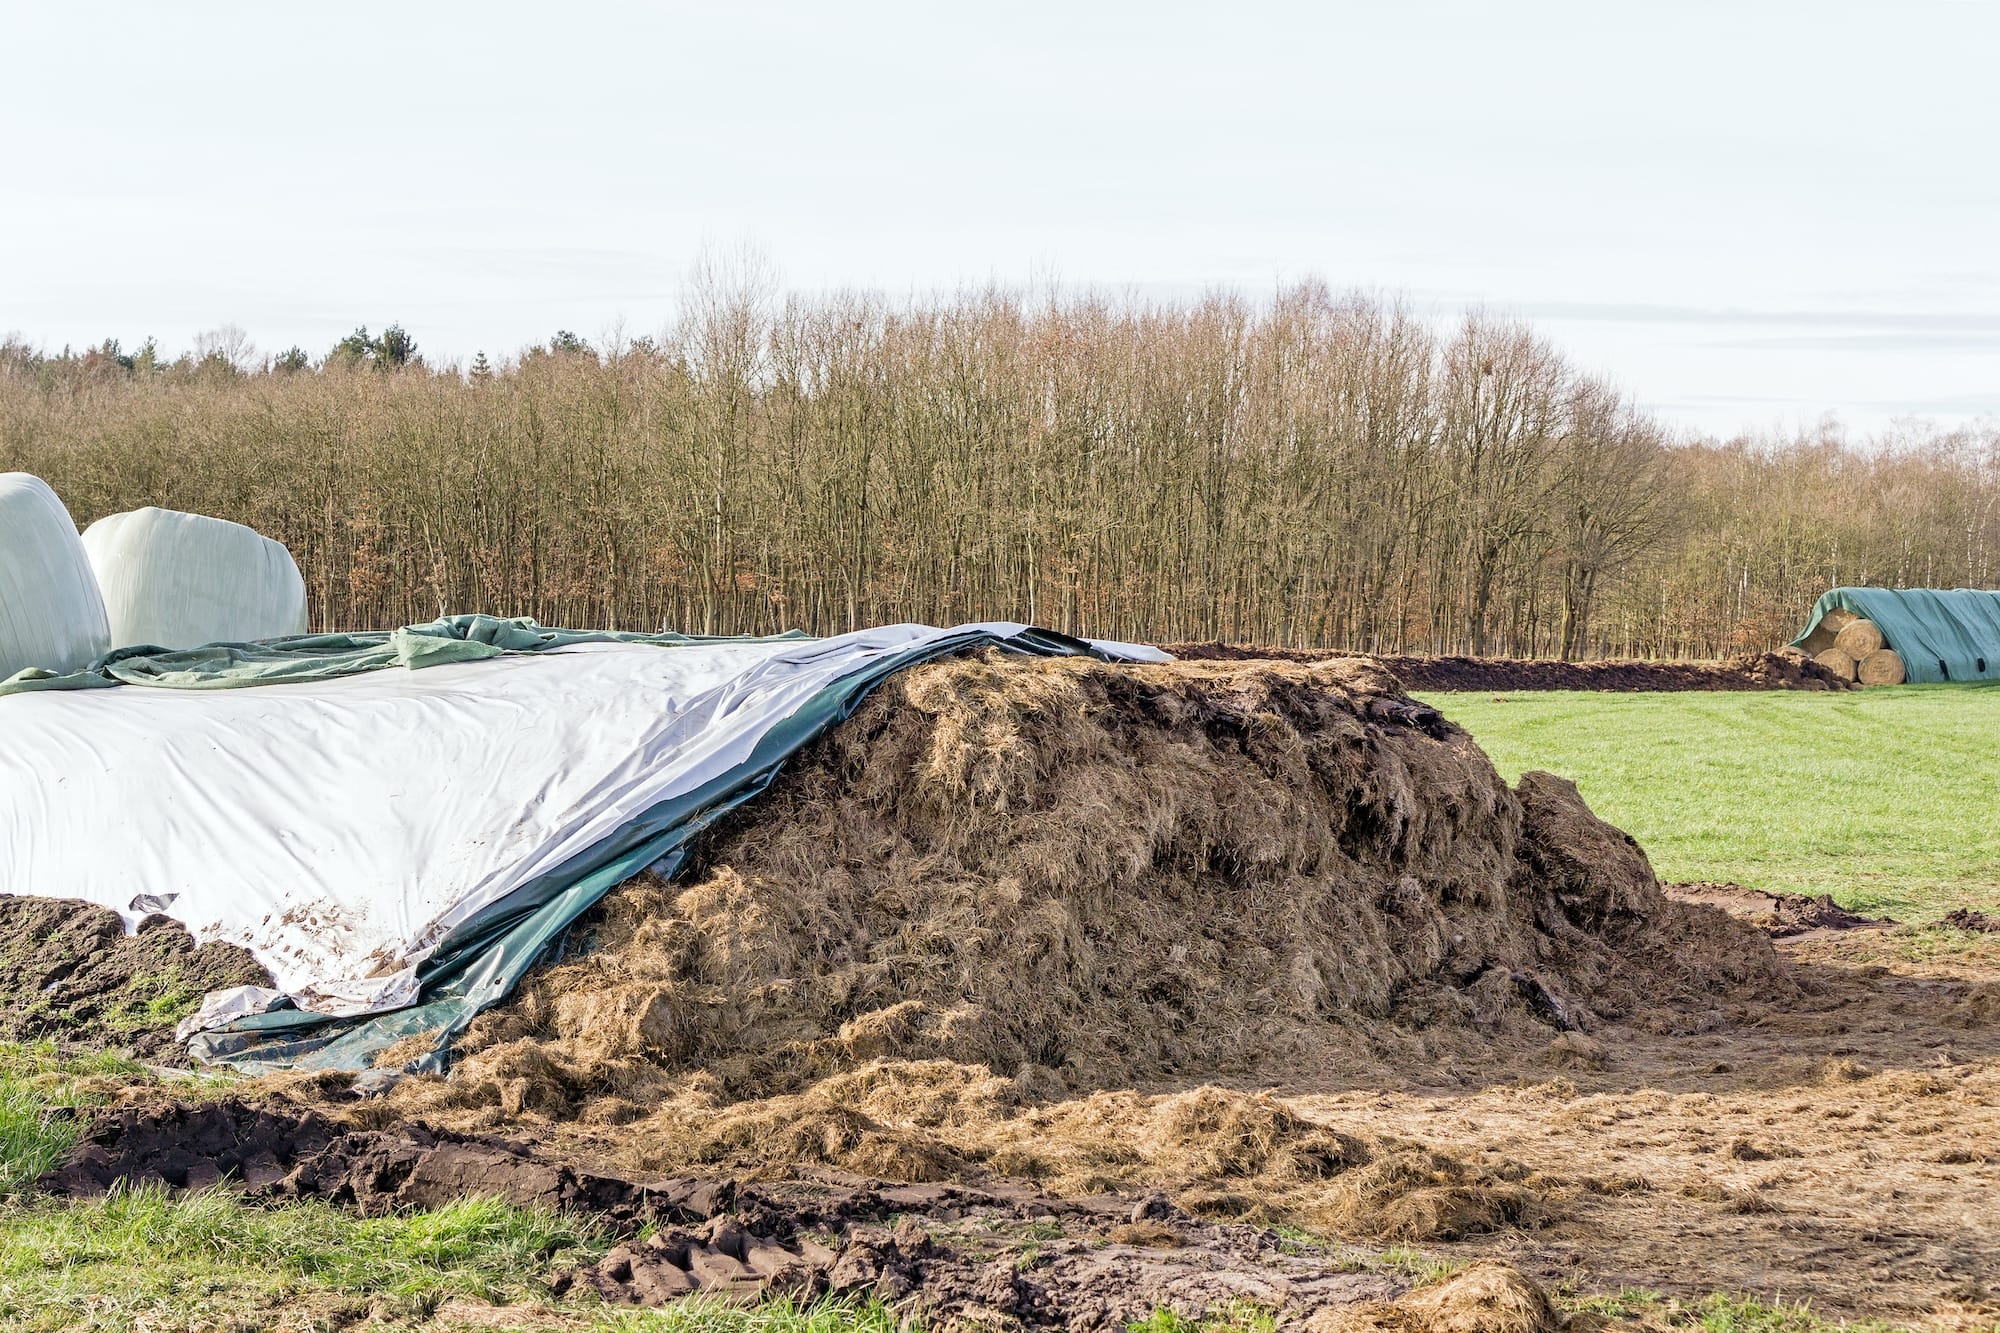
point(1942, 634)
point(481, 961)
point(301, 657)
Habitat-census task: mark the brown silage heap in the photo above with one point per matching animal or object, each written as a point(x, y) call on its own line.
point(1007, 889)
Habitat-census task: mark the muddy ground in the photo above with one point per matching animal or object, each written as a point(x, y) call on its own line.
point(68, 967)
point(1745, 671)
point(1842, 1149)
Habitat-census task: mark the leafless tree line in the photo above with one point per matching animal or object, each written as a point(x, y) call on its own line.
point(1315, 470)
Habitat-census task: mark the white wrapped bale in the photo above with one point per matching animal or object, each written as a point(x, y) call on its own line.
point(50, 613)
point(177, 580)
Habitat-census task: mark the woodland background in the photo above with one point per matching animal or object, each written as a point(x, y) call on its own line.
point(1318, 469)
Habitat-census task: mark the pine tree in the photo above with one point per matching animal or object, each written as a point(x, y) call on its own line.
point(482, 370)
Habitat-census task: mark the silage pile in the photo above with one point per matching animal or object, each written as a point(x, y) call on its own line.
point(963, 928)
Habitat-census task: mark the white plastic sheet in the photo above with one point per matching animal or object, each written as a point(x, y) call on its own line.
point(178, 580)
point(51, 616)
point(337, 829)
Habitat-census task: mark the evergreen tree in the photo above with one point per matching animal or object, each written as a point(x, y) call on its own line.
point(395, 347)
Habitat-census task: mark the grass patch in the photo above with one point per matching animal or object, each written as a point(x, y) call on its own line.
point(1236, 1317)
point(1882, 798)
point(698, 1315)
point(40, 1093)
point(140, 1259)
point(1717, 1313)
point(1422, 1269)
point(144, 1259)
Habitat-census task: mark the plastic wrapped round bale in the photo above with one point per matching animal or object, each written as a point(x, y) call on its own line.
point(50, 613)
point(175, 580)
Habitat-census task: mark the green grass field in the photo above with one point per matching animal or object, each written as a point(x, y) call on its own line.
point(1889, 799)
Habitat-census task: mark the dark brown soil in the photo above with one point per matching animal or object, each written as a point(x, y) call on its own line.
point(1745, 671)
point(68, 971)
point(1966, 918)
point(1779, 915)
point(997, 1256)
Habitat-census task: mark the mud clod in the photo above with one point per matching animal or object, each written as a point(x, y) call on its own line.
point(1779, 915)
point(69, 972)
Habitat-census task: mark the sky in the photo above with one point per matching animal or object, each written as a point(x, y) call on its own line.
point(1746, 214)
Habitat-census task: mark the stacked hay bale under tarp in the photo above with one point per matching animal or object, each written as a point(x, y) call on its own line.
point(1889, 636)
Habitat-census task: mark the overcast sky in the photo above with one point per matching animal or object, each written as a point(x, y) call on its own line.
point(1746, 213)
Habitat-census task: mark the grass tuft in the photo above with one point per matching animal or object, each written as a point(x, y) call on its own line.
point(40, 1093)
point(1236, 1317)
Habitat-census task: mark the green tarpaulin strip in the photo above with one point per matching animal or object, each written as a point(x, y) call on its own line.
point(233, 666)
point(1941, 634)
point(480, 962)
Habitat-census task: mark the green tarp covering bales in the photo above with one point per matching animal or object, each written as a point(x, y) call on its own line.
point(1941, 634)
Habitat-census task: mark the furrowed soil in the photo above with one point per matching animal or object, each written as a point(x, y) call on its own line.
point(1785, 670)
point(1047, 993)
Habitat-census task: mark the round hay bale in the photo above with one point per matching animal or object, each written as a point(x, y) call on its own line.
point(1881, 667)
point(1858, 638)
point(1838, 619)
point(1839, 663)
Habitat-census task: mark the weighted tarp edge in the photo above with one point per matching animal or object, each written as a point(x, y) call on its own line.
point(481, 961)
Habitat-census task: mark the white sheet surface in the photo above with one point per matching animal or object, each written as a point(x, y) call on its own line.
point(337, 829)
point(178, 580)
point(51, 615)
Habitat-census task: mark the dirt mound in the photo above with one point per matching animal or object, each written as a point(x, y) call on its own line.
point(1007, 888)
point(1966, 918)
point(1080, 876)
point(997, 1257)
point(1787, 669)
point(1779, 915)
point(68, 971)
